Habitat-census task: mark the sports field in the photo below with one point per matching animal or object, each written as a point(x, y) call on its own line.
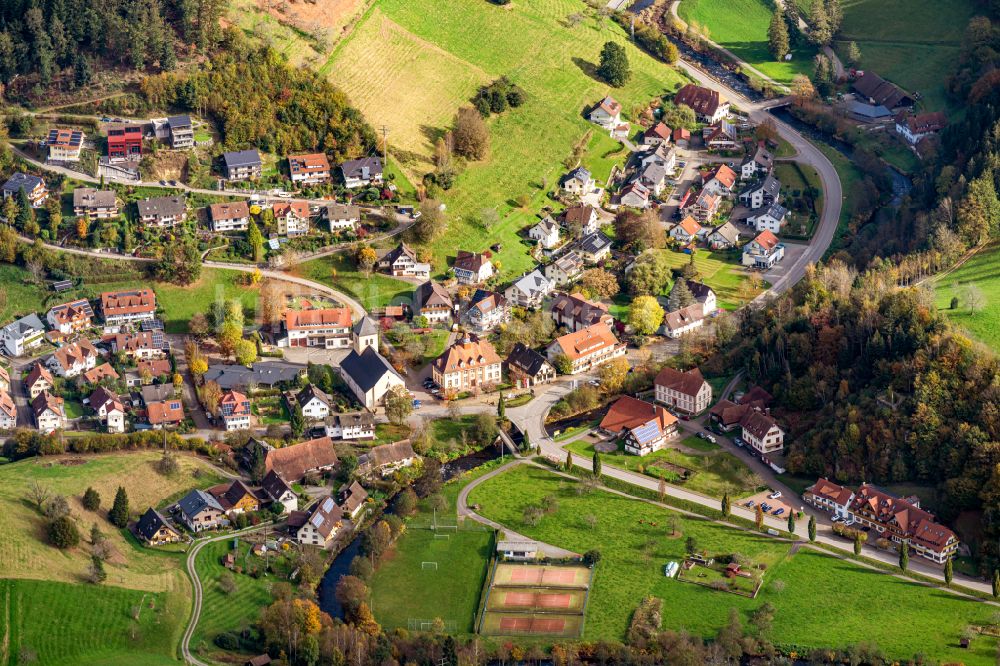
point(410, 65)
point(536, 599)
point(913, 43)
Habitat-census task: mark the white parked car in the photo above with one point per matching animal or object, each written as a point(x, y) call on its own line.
point(775, 495)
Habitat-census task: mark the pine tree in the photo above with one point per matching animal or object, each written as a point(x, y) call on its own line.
point(853, 54)
point(256, 241)
point(597, 465)
point(904, 556)
point(91, 500)
point(820, 34)
point(996, 583)
point(297, 420)
point(726, 508)
point(119, 511)
point(812, 528)
point(25, 213)
point(857, 544)
point(777, 35)
point(791, 523)
point(568, 465)
point(949, 572)
point(614, 67)
point(501, 408)
point(680, 296)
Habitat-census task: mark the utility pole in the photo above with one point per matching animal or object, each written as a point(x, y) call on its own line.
point(385, 143)
point(633, 27)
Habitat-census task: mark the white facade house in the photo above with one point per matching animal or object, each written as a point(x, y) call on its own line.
point(764, 251)
point(685, 391)
point(8, 411)
point(315, 403)
point(578, 181)
point(762, 432)
point(340, 217)
point(770, 218)
point(565, 269)
point(22, 335)
point(233, 216)
point(369, 376)
point(546, 232)
point(530, 290)
point(607, 114)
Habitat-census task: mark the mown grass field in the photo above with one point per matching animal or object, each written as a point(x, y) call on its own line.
point(910, 42)
point(88, 625)
point(24, 553)
point(983, 271)
point(741, 27)
point(901, 616)
point(373, 291)
point(402, 589)
point(849, 175)
point(411, 65)
point(715, 472)
point(722, 273)
point(223, 612)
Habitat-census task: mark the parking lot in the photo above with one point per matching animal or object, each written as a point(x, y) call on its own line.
point(776, 504)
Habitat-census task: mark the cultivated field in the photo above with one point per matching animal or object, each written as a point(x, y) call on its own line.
point(983, 271)
point(910, 42)
point(636, 540)
point(741, 27)
point(411, 65)
point(23, 551)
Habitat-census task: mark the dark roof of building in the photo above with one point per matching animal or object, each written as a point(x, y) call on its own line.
point(294, 462)
point(309, 393)
point(687, 383)
point(197, 501)
point(88, 197)
point(526, 359)
point(242, 158)
point(386, 454)
point(366, 167)
point(884, 93)
point(431, 294)
point(594, 243)
point(274, 486)
point(579, 309)
point(366, 368)
point(150, 523)
point(365, 326)
point(19, 180)
point(261, 373)
point(24, 326)
point(703, 100)
point(179, 121)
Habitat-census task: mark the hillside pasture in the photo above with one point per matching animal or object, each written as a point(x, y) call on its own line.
point(982, 271)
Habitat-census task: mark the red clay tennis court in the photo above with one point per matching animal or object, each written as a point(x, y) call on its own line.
point(533, 625)
point(536, 600)
point(536, 575)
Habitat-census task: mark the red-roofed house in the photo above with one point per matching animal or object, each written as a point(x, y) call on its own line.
point(328, 327)
point(586, 349)
point(656, 135)
point(764, 251)
point(234, 410)
point(914, 127)
point(125, 307)
point(164, 413)
point(467, 365)
point(607, 114)
point(686, 391)
point(645, 427)
point(292, 217)
point(687, 230)
point(708, 105)
point(721, 181)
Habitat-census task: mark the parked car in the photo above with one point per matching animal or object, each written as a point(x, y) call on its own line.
point(835, 519)
point(750, 504)
point(416, 404)
point(775, 495)
point(711, 438)
point(779, 512)
point(737, 441)
point(700, 435)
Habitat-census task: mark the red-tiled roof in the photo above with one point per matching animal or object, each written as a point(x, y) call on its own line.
point(629, 412)
point(128, 302)
point(586, 341)
point(305, 319)
point(471, 352)
point(686, 383)
point(292, 463)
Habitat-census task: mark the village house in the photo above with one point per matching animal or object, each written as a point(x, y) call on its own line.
point(607, 113)
point(200, 511)
point(469, 365)
point(20, 336)
point(8, 410)
point(359, 173)
point(634, 195)
point(656, 135)
point(487, 310)
point(235, 498)
point(162, 211)
point(329, 328)
point(663, 155)
point(352, 498)
point(100, 373)
point(721, 181)
point(351, 426)
point(527, 368)
point(645, 427)
point(704, 207)
point(574, 312)
point(234, 216)
point(269, 374)
point(293, 463)
point(369, 376)
point(242, 165)
point(385, 459)
point(764, 251)
point(340, 217)
point(164, 413)
point(880, 92)
point(109, 408)
point(315, 403)
point(4, 379)
point(141, 346)
point(621, 131)
point(768, 218)
point(64, 144)
point(546, 232)
point(309, 169)
point(586, 348)
point(38, 380)
point(758, 428)
point(124, 142)
point(181, 131)
point(151, 393)
point(682, 137)
point(49, 411)
point(564, 269)
point(154, 367)
point(128, 307)
point(518, 551)
point(683, 320)
point(709, 106)
point(530, 290)
point(720, 135)
point(33, 186)
point(724, 236)
point(915, 127)
point(234, 410)
point(402, 262)
point(432, 301)
point(73, 359)
point(762, 193)
point(685, 391)
point(593, 248)
point(704, 295)
point(292, 217)
point(94, 204)
point(72, 317)
point(686, 231)
point(153, 528)
point(317, 525)
point(761, 161)
point(473, 267)
point(580, 220)
point(578, 182)
point(653, 176)
point(278, 491)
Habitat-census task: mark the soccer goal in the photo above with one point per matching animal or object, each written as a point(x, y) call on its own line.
point(442, 536)
point(429, 565)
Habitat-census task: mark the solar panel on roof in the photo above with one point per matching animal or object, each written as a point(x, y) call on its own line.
point(62, 285)
point(316, 520)
point(273, 244)
point(646, 432)
point(152, 325)
point(328, 505)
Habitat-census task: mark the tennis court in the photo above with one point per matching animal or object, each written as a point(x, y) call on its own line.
point(536, 599)
point(548, 624)
point(540, 575)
